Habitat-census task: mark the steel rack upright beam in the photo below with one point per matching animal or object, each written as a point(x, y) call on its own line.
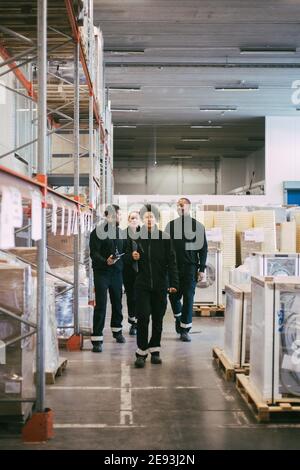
point(42, 155)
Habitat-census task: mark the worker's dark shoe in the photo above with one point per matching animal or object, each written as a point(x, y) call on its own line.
point(140, 362)
point(132, 330)
point(119, 337)
point(177, 326)
point(97, 348)
point(185, 337)
point(155, 359)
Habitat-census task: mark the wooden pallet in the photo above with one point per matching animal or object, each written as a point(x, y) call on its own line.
point(263, 411)
point(209, 310)
point(228, 368)
point(50, 376)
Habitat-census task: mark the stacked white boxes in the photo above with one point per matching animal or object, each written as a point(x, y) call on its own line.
point(275, 338)
point(238, 324)
point(275, 264)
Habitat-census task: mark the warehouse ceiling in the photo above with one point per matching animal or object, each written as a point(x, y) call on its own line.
point(173, 54)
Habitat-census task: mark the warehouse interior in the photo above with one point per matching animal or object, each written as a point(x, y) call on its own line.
point(124, 102)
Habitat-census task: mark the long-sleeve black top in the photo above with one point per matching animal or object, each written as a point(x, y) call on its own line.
point(190, 243)
point(157, 267)
point(105, 240)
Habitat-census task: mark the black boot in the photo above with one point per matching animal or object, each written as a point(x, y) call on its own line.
point(185, 337)
point(177, 325)
point(155, 358)
point(119, 337)
point(97, 348)
point(132, 330)
point(140, 362)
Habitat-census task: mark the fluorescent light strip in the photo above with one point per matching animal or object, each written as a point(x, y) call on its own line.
point(206, 127)
point(123, 110)
point(125, 127)
point(237, 88)
point(112, 88)
point(182, 157)
point(217, 110)
point(267, 50)
point(125, 52)
point(195, 140)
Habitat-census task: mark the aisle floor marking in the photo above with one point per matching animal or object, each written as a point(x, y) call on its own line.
point(126, 416)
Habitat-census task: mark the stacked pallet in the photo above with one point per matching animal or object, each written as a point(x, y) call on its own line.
point(227, 222)
point(266, 219)
point(244, 221)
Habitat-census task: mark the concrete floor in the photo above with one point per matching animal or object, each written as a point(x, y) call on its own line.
point(103, 402)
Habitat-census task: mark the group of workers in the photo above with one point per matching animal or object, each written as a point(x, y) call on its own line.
point(152, 264)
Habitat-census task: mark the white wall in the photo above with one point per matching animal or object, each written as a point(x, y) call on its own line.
point(164, 179)
point(282, 154)
point(232, 174)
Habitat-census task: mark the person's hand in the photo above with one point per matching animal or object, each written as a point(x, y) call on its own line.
point(135, 255)
point(110, 261)
point(172, 290)
point(201, 277)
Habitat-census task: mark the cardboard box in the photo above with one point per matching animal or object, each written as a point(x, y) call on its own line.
point(61, 243)
point(27, 253)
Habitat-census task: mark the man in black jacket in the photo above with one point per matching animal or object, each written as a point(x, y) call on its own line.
point(106, 250)
point(191, 252)
point(157, 275)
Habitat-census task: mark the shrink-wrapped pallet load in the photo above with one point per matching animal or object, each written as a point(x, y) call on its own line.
point(244, 221)
point(266, 219)
point(227, 222)
point(287, 237)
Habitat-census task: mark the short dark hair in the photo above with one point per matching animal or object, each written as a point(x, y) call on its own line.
point(186, 200)
point(149, 208)
point(111, 209)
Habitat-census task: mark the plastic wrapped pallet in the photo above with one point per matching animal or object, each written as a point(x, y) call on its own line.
point(237, 324)
point(52, 352)
point(227, 222)
point(17, 295)
point(287, 237)
point(274, 345)
point(244, 221)
point(240, 275)
point(275, 264)
point(295, 216)
point(209, 219)
point(266, 219)
point(251, 240)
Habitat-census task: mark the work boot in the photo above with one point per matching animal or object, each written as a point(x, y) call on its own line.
point(132, 330)
point(140, 362)
point(97, 348)
point(185, 337)
point(119, 337)
point(155, 358)
point(177, 325)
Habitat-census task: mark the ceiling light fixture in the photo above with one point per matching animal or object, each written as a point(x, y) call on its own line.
point(268, 50)
point(217, 109)
point(124, 88)
point(124, 110)
point(235, 88)
point(125, 126)
point(203, 139)
point(206, 127)
point(124, 51)
point(256, 139)
point(181, 157)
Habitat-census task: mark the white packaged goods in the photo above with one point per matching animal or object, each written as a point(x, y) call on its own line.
point(251, 240)
point(287, 237)
point(275, 337)
point(275, 264)
point(238, 324)
point(240, 275)
point(244, 221)
point(208, 219)
point(209, 291)
point(266, 219)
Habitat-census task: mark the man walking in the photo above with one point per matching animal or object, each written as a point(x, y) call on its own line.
point(106, 251)
point(191, 253)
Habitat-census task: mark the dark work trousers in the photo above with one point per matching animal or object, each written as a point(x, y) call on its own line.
point(149, 303)
point(184, 310)
point(129, 276)
point(112, 282)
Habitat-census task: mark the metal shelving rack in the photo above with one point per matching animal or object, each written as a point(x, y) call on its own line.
point(37, 32)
